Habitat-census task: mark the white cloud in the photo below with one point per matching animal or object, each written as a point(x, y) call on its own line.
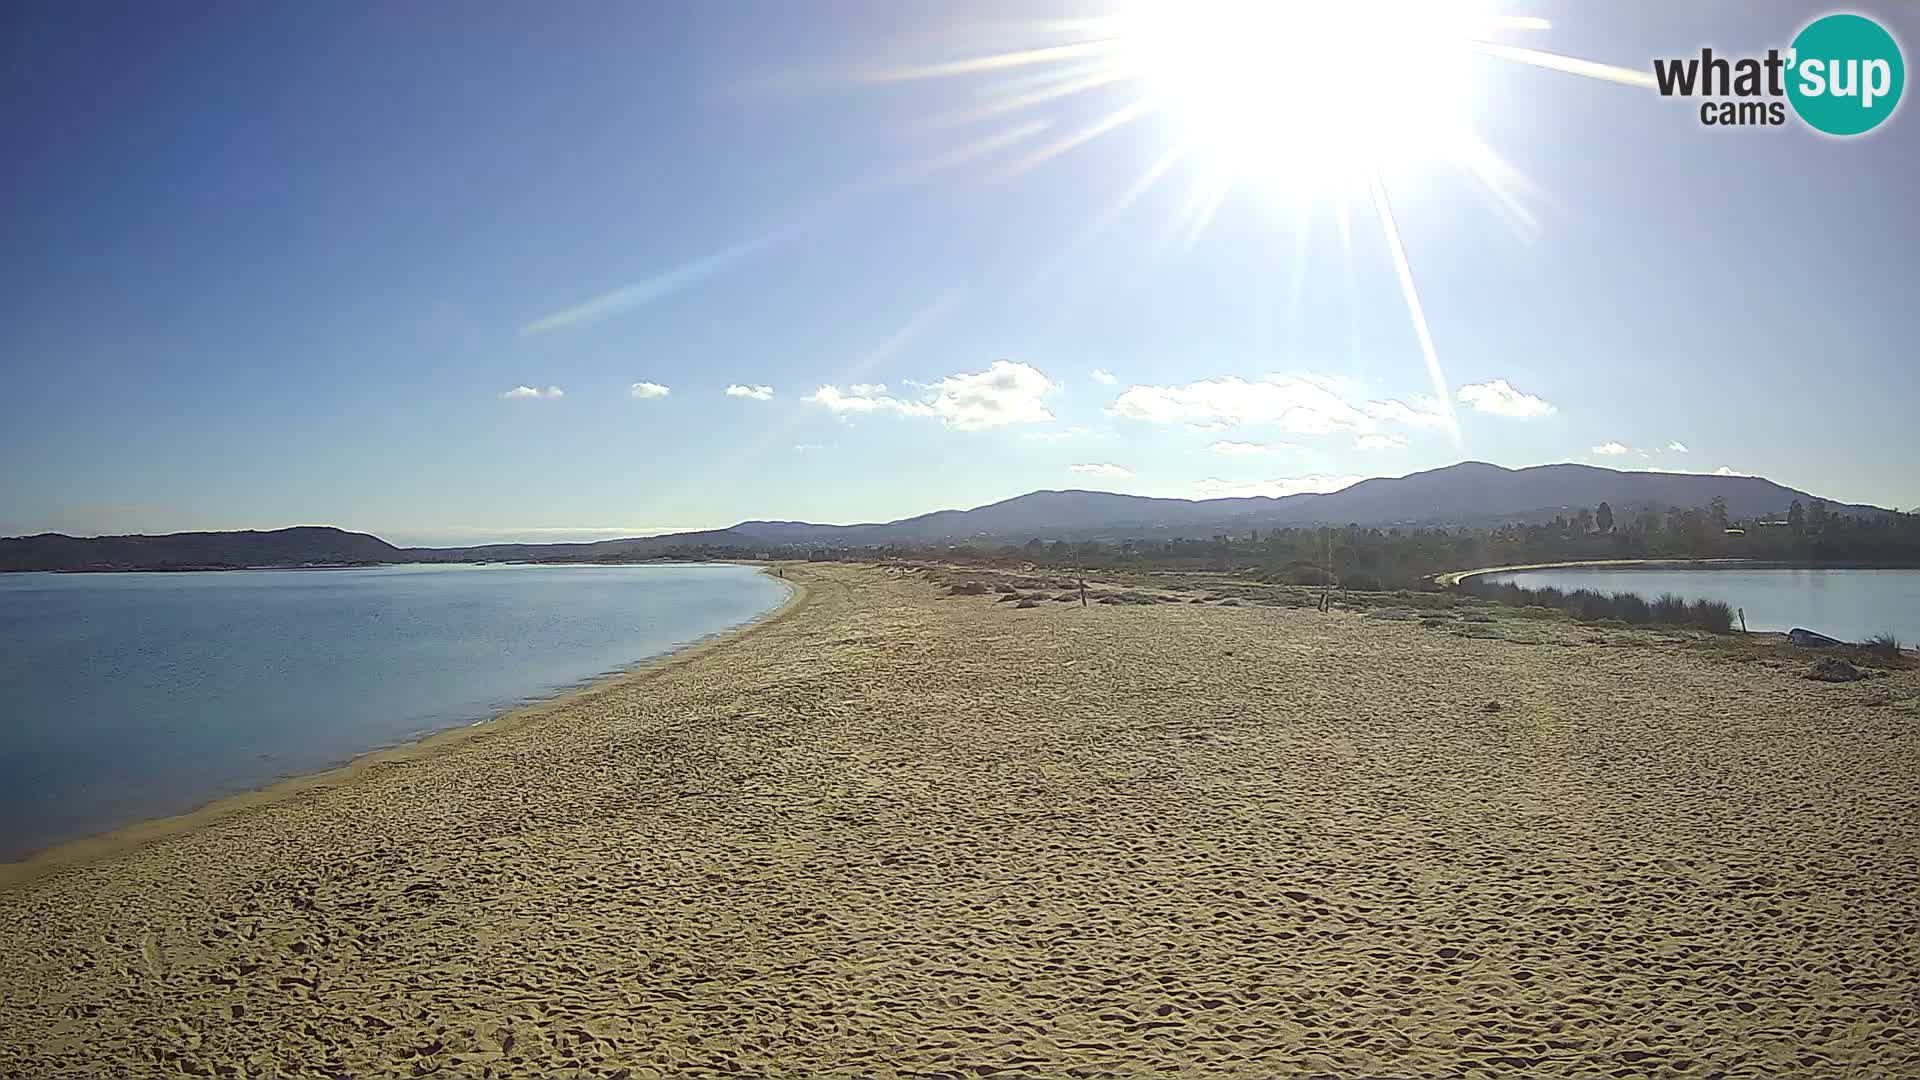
point(806, 447)
point(1293, 404)
point(1075, 432)
point(1501, 399)
point(533, 393)
point(841, 403)
point(1677, 447)
point(1424, 412)
point(756, 393)
point(1299, 404)
point(1610, 449)
point(1243, 449)
point(1005, 393)
point(1287, 485)
point(1380, 442)
point(1104, 377)
point(1102, 470)
point(1725, 470)
point(645, 390)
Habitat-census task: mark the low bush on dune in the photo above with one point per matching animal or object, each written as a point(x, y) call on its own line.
point(1589, 605)
point(1713, 615)
point(1885, 644)
point(1670, 608)
point(1619, 609)
point(968, 588)
point(1632, 609)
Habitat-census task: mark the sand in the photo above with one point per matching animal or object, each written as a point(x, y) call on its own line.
point(895, 833)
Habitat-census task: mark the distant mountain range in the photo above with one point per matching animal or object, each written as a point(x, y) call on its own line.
point(1468, 493)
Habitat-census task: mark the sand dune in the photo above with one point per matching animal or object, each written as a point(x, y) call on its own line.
point(902, 834)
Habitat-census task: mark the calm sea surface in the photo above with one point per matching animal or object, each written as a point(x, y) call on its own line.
point(128, 696)
point(1851, 605)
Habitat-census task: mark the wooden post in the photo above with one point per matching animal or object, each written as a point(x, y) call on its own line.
point(1743, 620)
point(1083, 592)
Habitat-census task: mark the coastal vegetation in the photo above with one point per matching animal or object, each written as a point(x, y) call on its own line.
point(1407, 557)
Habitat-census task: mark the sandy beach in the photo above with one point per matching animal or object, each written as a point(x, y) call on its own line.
point(894, 832)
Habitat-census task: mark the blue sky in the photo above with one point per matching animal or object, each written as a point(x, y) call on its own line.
point(271, 265)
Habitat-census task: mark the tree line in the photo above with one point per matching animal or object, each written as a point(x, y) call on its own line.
point(1404, 557)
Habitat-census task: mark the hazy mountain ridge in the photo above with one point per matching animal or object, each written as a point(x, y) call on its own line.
point(302, 545)
point(1455, 494)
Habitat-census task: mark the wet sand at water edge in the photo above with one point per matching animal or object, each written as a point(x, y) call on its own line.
point(900, 833)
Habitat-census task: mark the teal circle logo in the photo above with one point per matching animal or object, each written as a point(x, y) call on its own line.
point(1845, 74)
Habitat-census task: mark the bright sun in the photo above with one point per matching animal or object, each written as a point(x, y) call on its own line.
point(1303, 93)
point(1320, 99)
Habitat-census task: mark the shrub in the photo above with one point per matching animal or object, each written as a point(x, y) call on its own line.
point(1670, 608)
point(1589, 605)
point(1631, 608)
point(1713, 615)
point(1620, 609)
point(1885, 644)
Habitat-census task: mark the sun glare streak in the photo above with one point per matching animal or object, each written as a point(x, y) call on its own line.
point(1302, 241)
point(1120, 117)
point(1202, 203)
point(995, 62)
point(796, 413)
point(671, 281)
point(901, 338)
point(1515, 22)
point(1051, 90)
point(1503, 184)
point(1571, 65)
point(1105, 218)
point(1343, 217)
point(1414, 309)
point(647, 290)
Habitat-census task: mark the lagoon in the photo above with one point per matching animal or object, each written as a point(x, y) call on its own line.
point(130, 696)
point(1852, 605)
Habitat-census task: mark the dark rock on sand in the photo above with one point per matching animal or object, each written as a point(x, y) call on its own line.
point(1830, 669)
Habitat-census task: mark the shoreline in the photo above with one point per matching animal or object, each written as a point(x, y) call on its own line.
point(896, 830)
point(224, 568)
point(97, 847)
point(1452, 578)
